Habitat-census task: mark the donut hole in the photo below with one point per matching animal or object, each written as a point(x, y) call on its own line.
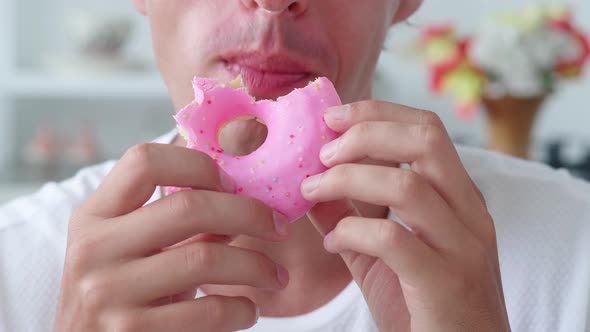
point(242, 136)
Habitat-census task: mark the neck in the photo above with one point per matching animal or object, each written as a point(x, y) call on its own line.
point(315, 276)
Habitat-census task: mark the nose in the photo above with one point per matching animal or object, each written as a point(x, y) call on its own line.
point(277, 7)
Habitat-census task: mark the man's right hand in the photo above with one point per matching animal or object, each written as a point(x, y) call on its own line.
point(131, 267)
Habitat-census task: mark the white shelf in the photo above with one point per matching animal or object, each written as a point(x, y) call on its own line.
point(39, 85)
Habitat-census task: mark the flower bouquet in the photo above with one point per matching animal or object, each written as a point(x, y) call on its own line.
point(509, 66)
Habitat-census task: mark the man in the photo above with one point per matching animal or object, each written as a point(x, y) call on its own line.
point(133, 266)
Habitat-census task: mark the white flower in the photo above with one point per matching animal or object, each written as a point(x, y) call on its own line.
point(518, 57)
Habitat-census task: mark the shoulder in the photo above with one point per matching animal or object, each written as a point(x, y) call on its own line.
point(33, 231)
point(53, 199)
point(56, 200)
point(542, 220)
point(517, 189)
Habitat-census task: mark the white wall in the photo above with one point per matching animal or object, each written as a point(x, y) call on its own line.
point(404, 80)
point(6, 58)
point(36, 38)
point(401, 79)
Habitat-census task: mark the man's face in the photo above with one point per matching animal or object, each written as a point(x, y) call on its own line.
point(276, 45)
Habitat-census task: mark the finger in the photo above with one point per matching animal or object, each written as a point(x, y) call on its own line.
point(412, 199)
point(325, 216)
point(204, 237)
point(426, 146)
point(409, 257)
point(184, 268)
point(144, 167)
point(180, 216)
point(210, 313)
point(398, 143)
point(184, 296)
point(342, 118)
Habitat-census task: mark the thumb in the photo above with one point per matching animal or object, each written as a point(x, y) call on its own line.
point(326, 215)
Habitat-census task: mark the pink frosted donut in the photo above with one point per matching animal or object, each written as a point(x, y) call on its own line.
point(296, 132)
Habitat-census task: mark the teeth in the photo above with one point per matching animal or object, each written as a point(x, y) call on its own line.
point(234, 68)
point(236, 83)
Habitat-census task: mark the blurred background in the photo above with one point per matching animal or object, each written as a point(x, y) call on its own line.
point(78, 85)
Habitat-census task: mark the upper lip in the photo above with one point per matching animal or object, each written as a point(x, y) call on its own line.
point(274, 63)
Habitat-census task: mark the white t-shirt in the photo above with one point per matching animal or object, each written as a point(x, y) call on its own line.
point(542, 220)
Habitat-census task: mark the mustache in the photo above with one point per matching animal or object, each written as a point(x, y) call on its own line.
point(265, 37)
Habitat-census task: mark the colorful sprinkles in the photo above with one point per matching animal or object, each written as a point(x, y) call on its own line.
point(271, 176)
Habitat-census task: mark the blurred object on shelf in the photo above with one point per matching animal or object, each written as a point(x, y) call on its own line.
point(83, 150)
point(42, 152)
point(68, 65)
point(48, 157)
point(510, 66)
point(98, 35)
point(98, 46)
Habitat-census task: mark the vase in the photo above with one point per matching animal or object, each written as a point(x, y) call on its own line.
point(510, 122)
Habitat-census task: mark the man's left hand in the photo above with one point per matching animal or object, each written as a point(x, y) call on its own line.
point(442, 272)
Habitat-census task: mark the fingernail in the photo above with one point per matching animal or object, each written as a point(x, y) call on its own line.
point(227, 183)
point(328, 242)
point(257, 313)
point(311, 184)
point(329, 150)
point(282, 276)
point(280, 222)
point(338, 113)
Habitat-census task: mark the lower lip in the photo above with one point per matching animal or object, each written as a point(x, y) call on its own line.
point(265, 84)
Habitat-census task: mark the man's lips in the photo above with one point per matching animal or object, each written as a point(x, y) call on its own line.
point(268, 77)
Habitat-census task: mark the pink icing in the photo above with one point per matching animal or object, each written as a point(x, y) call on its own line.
point(296, 132)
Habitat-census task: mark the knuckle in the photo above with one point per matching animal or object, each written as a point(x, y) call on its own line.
point(478, 258)
point(343, 171)
point(373, 106)
point(138, 158)
point(351, 141)
point(332, 180)
point(215, 310)
point(94, 293)
point(127, 323)
point(139, 153)
point(457, 283)
point(466, 282)
point(430, 118)
point(407, 185)
point(199, 256)
point(81, 251)
point(362, 129)
point(431, 136)
point(181, 203)
point(389, 235)
point(358, 108)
